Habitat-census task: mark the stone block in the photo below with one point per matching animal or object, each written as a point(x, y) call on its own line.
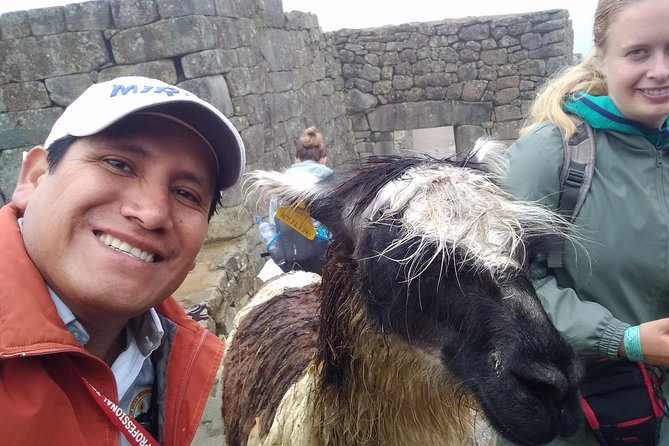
point(226, 32)
point(487, 73)
point(508, 41)
point(213, 89)
point(63, 90)
point(554, 64)
point(508, 113)
point(359, 101)
point(506, 95)
point(235, 8)
point(531, 41)
point(249, 56)
point(427, 114)
point(27, 127)
point(477, 31)
point(45, 21)
point(518, 56)
point(247, 32)
point(209, 62)
point(384, 148)
point(533, 67)
point(506, 130)
point(277, 50)
point(555, 49)
point(14, 25)
point(157, 69)
point(508, 82)
point(23, 96)
point(130, 13)
point(402, 82)
point(495, 57)
point(271, 11)
point(360, 123)
point(247, 80)
point(466, 135)
point(88, 16)
point(35, 58)
point(467, 72)
point(229, 223)
point(473, 90)
point(433, 93)
point(168, 9)
point(167, 38)
point(10, 165)
point(519, 29)
point(550, 25)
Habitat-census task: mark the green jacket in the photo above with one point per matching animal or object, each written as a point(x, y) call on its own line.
point(620, 274)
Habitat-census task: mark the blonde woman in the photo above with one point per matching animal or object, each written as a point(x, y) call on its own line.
point(612, 302)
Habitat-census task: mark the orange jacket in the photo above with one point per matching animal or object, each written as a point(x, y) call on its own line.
point(41, 404)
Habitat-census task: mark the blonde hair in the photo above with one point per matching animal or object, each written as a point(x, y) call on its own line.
point(310, 145)
point(585, 76)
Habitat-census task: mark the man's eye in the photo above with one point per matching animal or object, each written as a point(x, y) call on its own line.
point(118, 164)
point(187, 195)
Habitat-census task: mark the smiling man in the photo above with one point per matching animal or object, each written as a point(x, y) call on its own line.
point(105, 223)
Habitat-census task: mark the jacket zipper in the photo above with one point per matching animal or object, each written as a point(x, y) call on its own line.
point(185, 381)
point(663, 200)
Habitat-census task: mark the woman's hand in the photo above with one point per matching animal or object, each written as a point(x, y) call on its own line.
point(654, 337)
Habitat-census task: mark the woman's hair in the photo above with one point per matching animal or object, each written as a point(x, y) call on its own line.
point(310, 145)
point(585, 76)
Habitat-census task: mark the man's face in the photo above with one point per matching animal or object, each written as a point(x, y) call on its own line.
point(116, 226)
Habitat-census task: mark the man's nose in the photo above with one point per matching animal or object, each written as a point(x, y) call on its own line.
point(150, 206)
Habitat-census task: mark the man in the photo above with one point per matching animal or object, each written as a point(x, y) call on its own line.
point(105, 222)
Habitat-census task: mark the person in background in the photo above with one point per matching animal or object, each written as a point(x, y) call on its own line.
point(611, 297)
point(287, 247)
point(105, 222)
point(310, 158)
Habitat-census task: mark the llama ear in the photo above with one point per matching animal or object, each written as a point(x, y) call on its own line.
point(33, 169)
point(488, 152)
point(288, 188)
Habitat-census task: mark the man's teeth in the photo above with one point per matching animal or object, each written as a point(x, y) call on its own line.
point(125, 248)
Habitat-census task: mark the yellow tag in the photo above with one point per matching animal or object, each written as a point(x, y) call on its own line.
point(297, 218)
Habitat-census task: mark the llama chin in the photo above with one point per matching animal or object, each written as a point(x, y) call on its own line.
point(423, 319)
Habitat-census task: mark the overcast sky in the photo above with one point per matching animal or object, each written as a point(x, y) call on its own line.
point(337, 14)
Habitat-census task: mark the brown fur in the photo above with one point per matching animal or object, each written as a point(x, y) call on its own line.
point(269, 352)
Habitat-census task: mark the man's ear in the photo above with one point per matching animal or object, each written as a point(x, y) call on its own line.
point(34, 167)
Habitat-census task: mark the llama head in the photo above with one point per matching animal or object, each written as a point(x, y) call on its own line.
point(439, 254)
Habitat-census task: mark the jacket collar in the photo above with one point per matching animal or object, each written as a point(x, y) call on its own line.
point(29, 322)
point(601, 113)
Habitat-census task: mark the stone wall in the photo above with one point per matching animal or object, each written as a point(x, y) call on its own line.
point(273, 74)
point(477, 74)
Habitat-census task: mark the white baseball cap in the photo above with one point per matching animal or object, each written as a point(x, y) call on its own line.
point(103, 104)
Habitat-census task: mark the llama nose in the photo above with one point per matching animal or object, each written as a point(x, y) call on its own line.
point(544, 379)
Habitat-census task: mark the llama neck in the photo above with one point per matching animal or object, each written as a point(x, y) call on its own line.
point(392, 393)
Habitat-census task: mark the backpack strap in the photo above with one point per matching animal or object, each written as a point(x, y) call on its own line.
point(576, 175)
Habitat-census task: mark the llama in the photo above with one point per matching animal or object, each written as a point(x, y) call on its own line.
point(424, 316)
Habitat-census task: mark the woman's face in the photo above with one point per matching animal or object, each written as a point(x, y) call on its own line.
point(635, 61)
